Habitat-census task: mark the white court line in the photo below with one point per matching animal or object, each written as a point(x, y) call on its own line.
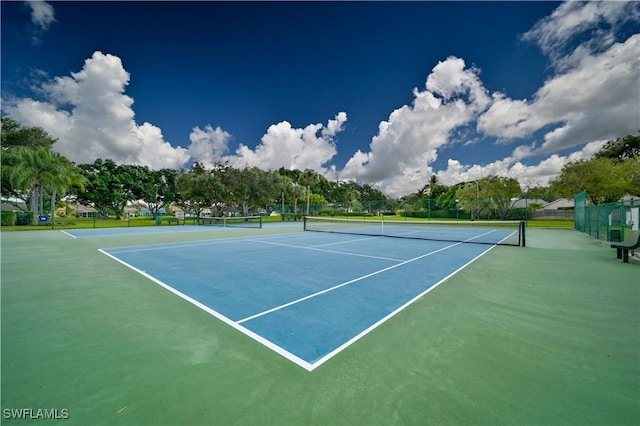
point(288, 355)
point(71, 235)
point(302, 299)
point(171, 246)
point(508, 236)
point(315, 248)
point(346, 242)
point(366, 331)
point(197, 243)
point(436, 239)
point(481, 235)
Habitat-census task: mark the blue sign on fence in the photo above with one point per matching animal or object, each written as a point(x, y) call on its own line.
point(43, 218)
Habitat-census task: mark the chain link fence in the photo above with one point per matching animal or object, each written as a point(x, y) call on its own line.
point(607, 222)
point(461, 209)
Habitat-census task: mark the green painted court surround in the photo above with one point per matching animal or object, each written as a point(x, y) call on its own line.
point(547, 334)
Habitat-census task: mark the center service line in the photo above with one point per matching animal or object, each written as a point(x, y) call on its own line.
point(346, 253)
point(277, 308)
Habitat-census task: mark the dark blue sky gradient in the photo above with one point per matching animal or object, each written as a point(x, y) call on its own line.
point(244, 65)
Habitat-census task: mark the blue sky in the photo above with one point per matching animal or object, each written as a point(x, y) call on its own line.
point(386, 93)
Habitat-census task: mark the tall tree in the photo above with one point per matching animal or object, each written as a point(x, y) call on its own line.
point(298, 193)
point(435, 188)
point(431, 190)
point(631, 170)
point(447, 199)
point(157, 188)
point(286, 187)
point(542, 192)
point(199, 189)
point(370, 193)
point(492, 192)
point(13, 134)
point(293, 174)
point(501, 190)
point(601, 178)
point(253, 188)
point(474, 197)
point(39, 171)
point(110, 186)
point(620, 149)
point(308, 178)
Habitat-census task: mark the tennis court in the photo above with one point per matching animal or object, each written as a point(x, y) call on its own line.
point(280, 326)
point(190, 225)
point(307, 296)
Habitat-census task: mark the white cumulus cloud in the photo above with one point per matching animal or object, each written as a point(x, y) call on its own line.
point(573, 19)
point(598, 99)
point(311, 147)
point(593, 96)
point(42, 16)
point(92, 117)
point(208, 145)
point(539, 174)
point(408, 142)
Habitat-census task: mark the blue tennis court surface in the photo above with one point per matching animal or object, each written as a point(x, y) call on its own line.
point(305, 295)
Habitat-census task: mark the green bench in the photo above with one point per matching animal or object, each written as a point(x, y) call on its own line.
point(171, 220)
point(632, 242)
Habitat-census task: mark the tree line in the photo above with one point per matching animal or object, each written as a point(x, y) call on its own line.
point(612, 173)
point(33, 171)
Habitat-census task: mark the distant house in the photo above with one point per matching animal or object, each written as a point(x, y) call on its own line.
point(178, 212)
point(130, 211)
point(146, 212)
point(524, 203)
point(6, 206)
point(560, 203)
point(80, 210)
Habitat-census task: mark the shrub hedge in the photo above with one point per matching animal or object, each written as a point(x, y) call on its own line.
point(24, 218)
point(7, 218)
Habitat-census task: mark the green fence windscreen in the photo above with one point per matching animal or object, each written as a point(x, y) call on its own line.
point(580, 204)
point(607, 222)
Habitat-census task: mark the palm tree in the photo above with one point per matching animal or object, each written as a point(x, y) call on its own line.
point(286, 186)
point(297, 193)
point(37, 171)
point(308, 178)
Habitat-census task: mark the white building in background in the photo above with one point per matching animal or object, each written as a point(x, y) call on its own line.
point(560, 203)
point(524, 203)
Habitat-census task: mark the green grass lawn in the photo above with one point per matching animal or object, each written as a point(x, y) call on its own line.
point(79, 223)
point(82, 223)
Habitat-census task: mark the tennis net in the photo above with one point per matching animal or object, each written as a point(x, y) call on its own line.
point(511, 233)
point(232, 221)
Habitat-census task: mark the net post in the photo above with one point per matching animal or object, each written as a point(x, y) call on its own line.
point(523, 240)
point(260, 221)
point(304, 225)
